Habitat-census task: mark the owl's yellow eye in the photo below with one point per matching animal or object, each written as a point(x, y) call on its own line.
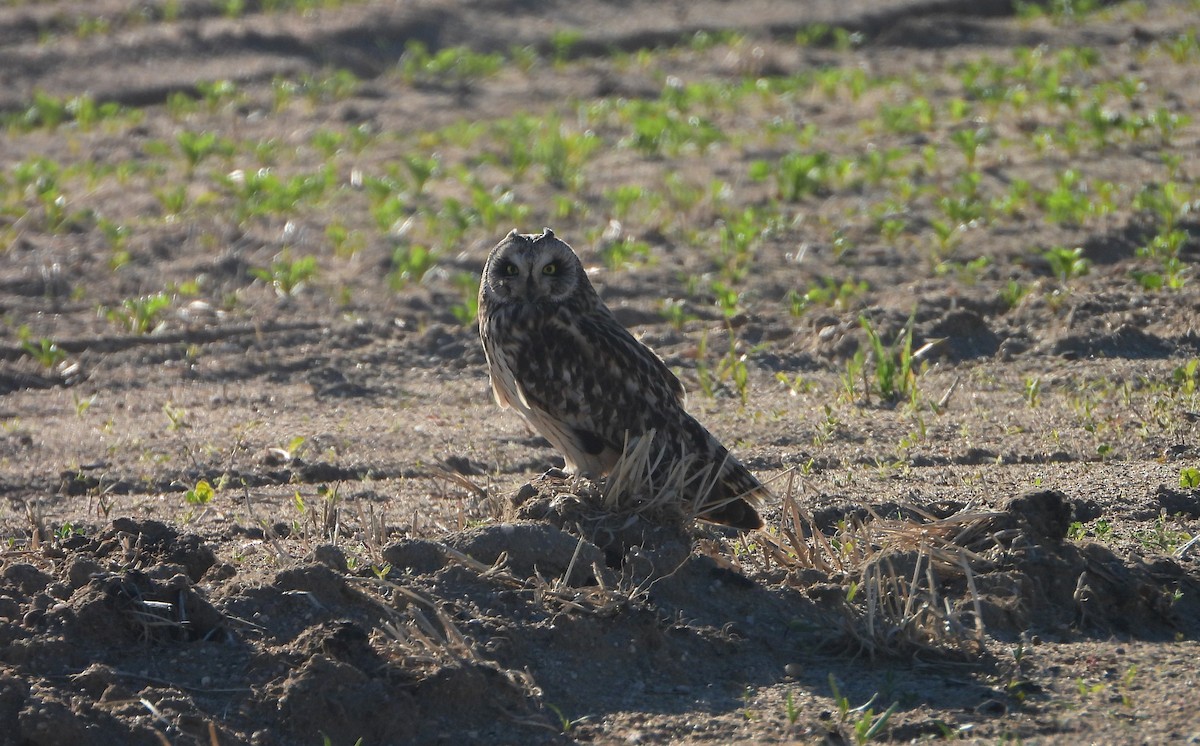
point(550, 269)
point(511, 269)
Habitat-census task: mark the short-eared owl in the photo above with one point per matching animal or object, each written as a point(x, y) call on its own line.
point(558, 356)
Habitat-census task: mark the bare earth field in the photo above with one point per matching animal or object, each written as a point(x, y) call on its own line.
point(928, 266)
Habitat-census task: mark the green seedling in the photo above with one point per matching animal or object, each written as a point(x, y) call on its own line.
point(420, 169)
point(176, 417)
point(917, 115)
point(263, 192)
point(1067, 264)
point(830, 293)
point(196, 146)
point(82, 403)
point(337, 85)
point(45, 351)
point(674, 311)
point(346, 242)
point(214, 93)
point(562, 153)
point(969, 141)
point(1189, 478)
point(140, 315)
point(865, 724)
point(564, 43)
point(200, 495)
point(1032, 391)
point(625, 253)
point(1186, 377)
point(467, 309)
point(288, 276)
point(173, 199)
point(1162, 537)
point(410, 264)
point(797, 175)
point(895, 375)
point(452, 67)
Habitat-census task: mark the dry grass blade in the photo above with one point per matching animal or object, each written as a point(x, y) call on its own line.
point(893, 569)
point(650, 480)
point(596, 599)
point(419, 640)
point(37, 524)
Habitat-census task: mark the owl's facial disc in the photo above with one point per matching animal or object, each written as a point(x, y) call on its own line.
point(534, 269)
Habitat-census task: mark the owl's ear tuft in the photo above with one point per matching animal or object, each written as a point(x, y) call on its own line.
point(547, 233)
point(512, 234)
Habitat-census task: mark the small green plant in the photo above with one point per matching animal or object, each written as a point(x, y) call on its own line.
point(1189, 478)
point(562, 153)
point(196, 146)
point(288, 276)
point(200, 495)
point(1186, 377)
point(1032, 391)
point(969, 140)
point(346, 242)
point(564, 43)
point(214, 93)
point(263, 192)
point(797, 175)
point(1162, 537)
point(895, 377)
point(1067, 264)
point(739, 234)
point(410, 264)
point(790, 710)
point(45, 351)
point(67, 530)
point(1013, 292)
point(1164, 249)
point(916, 115)
point(467, 309)
point(828, 292)
point(676, 313)
point(732, 368)
point(173, 199)
point(1102, 529)
point(45, 111)
point(82, 403)
point(865, 725)
point(140, 315)
point(176, 417)
point(727, 299)
point(662, 131)
point(1072, 201)
point(624, 253)
point(337, 85)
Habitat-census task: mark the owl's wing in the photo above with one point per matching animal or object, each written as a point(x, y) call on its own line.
point(596, 384)
point(614, 342)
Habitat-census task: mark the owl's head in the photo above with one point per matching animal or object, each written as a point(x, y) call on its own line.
point(532, 268)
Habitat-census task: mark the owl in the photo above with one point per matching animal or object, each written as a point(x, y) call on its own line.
point(558, 356)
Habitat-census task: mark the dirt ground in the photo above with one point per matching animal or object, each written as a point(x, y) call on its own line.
point(246, 502)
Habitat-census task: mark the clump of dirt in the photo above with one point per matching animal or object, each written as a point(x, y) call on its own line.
point(638, 531)
point(1036, 577)
point(493, 631)
point(938, 582)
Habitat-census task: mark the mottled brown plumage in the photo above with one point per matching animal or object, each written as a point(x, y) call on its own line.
point(558, 356)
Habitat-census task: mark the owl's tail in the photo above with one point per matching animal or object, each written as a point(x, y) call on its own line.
point(692, 465)
point(733, 496)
